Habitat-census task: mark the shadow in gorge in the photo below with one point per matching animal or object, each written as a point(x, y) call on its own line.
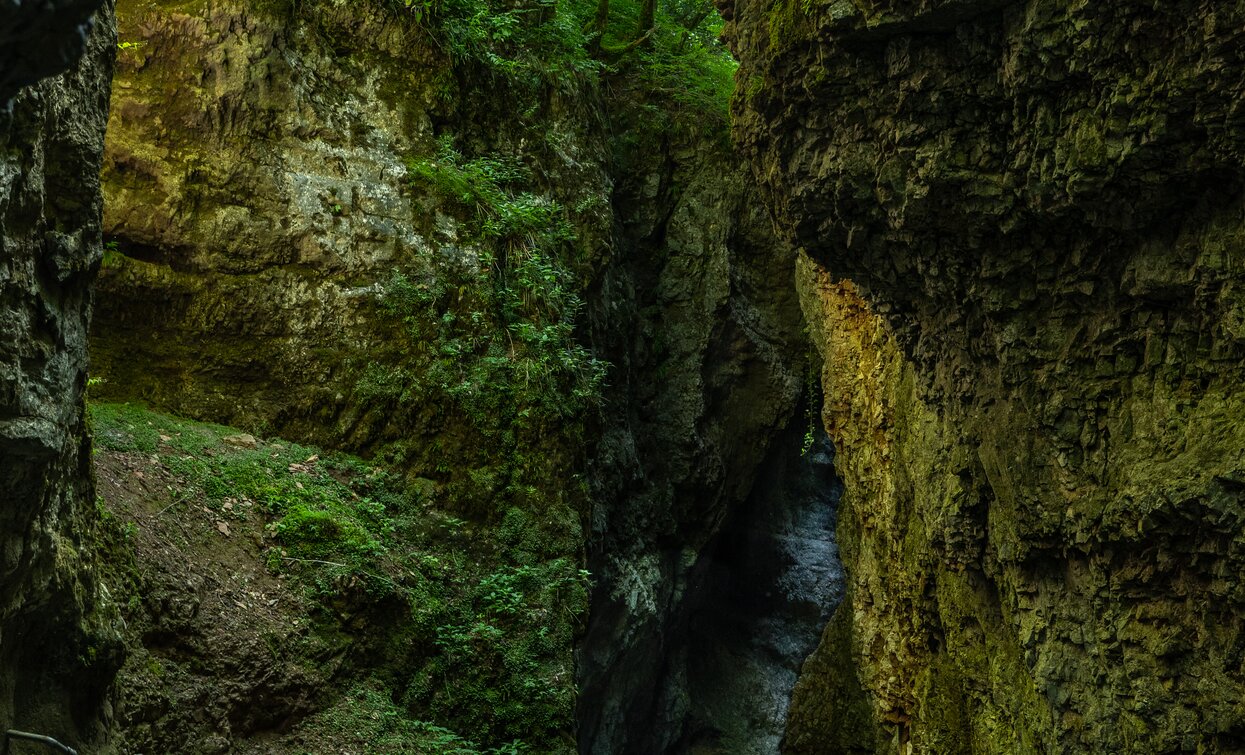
point(759, 600)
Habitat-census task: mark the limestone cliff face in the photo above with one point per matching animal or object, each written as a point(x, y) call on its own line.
point(256, 191)
point(1034, 377)
point(57, 648)
point(261, 190)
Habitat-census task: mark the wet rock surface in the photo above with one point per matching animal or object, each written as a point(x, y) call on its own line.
point(761, 597)
point(1037, 205)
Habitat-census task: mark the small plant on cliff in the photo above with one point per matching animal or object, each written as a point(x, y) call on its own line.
point(812, 402)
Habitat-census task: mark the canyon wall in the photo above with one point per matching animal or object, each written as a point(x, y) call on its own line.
point(1024, 235)
point(58, 644)
point(290, 251)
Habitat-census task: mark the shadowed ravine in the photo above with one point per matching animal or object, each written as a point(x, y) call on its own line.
point(754, 607)
point(760, 599)
point(451, 366)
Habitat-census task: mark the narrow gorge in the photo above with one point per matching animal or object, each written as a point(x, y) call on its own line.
point(642, 376)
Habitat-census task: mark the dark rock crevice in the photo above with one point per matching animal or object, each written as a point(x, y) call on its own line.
point(761, 596)
point(753, 606)
point(42, 39)
point(697, 315)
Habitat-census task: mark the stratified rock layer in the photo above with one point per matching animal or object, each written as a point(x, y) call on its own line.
point(57, 649)
point(1034, 378)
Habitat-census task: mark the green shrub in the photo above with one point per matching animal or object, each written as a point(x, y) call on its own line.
point(499, 334)
point(682, 65)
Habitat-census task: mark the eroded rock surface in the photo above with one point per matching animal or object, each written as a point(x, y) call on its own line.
point(58, 649)
point(1034, 377)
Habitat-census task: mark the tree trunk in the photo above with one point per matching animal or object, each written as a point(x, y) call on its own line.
point(599, 22)
point(648, 15)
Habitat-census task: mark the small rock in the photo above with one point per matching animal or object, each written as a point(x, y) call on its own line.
point(222, 528)
point(243, 440)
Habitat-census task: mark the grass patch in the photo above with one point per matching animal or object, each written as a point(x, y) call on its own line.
point(469, 628)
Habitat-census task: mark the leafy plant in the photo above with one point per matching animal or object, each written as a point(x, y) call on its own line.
point(501, 331)
point(666, 50)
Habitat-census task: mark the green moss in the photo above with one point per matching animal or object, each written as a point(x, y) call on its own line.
point(787, 23)
point(941, 706)
point(838, 712)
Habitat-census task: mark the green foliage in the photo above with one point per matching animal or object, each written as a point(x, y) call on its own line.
point(696, 80)
point(498, 329)
point(369, 719)
point(681, 64)
point(683, 74)
point(527, 42)
point(495, 331)
point(509, 621)
point(812, 401)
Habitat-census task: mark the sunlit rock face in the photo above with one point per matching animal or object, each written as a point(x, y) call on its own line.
point(58, 649)
point(1024, 231)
